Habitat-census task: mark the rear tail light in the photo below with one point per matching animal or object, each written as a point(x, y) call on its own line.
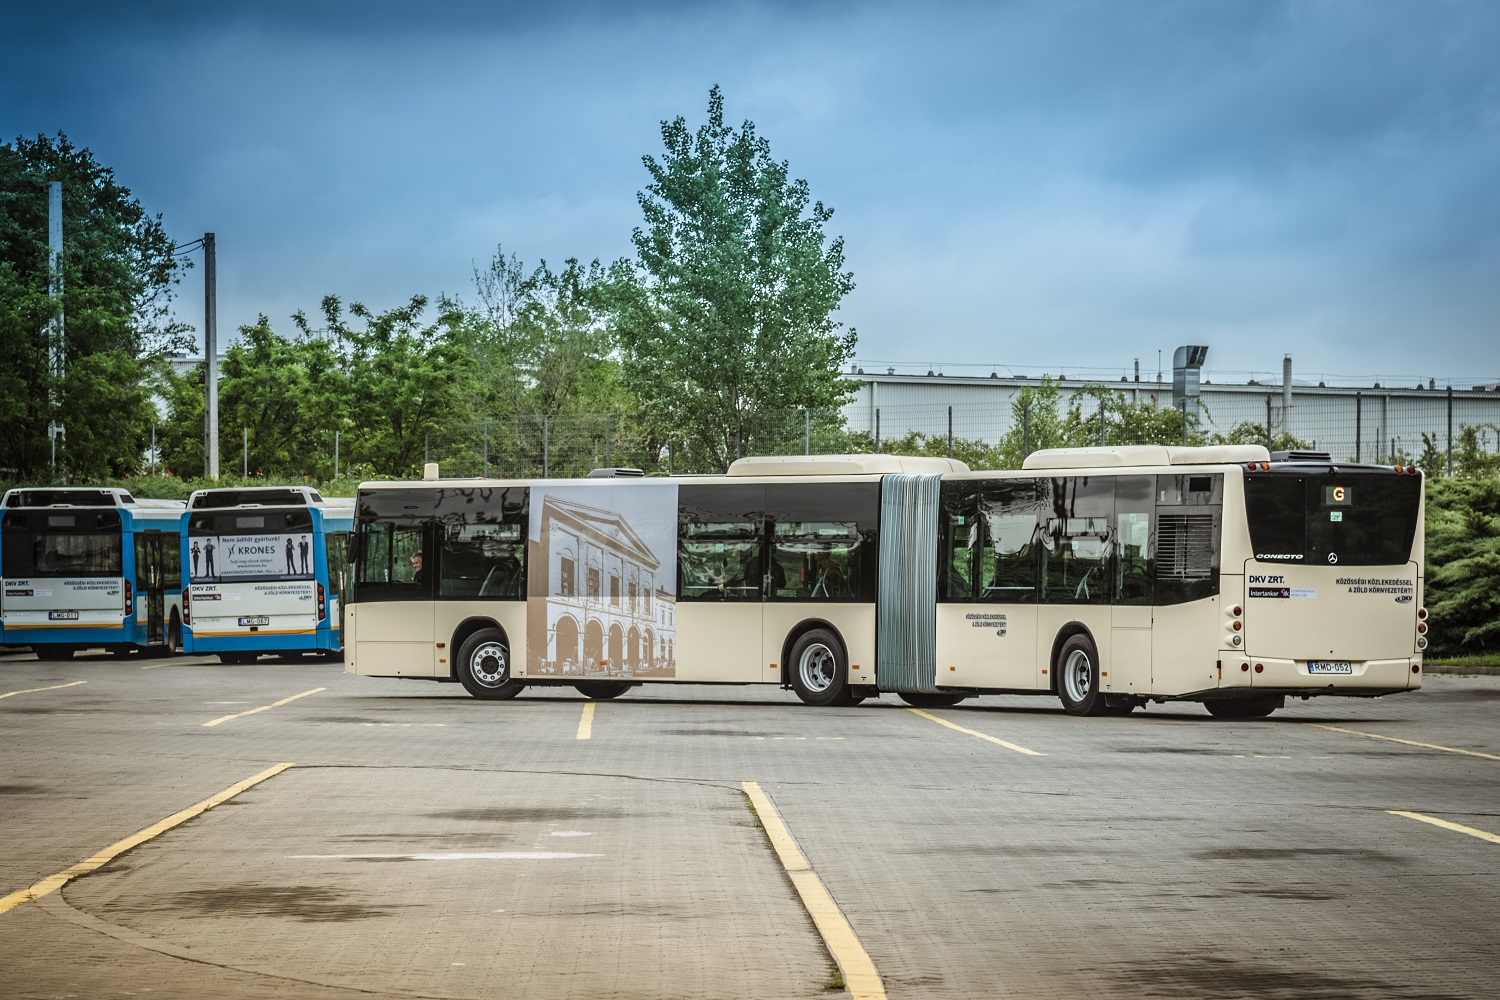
point(322, 604)
point(1237, 611)
point(1422, 614)
point(1421, 628)
point(129, 599)
point(187, 606)
point(1259, 668)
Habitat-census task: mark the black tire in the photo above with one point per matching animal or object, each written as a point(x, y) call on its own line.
point(484, 666)
point(925, 699)
point(1244, 708)
point(54, 654)
point(819, 668)
point(1077, 672)
point(174, 637)
point(230, 659)
point(603, 690)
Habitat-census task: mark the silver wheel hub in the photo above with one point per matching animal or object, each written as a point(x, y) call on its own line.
point(1077, 676)
point(817, 667)
point(488, 665)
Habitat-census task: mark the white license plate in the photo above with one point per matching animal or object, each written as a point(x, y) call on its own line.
point(62, 616)
point(256, 620)
point(1329, 667)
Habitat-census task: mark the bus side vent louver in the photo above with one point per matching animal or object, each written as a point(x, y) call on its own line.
point(1185, 547)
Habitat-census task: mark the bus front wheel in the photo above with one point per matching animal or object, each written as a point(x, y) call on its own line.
point(819, 673)
point(1077, 669)
point(484, 666)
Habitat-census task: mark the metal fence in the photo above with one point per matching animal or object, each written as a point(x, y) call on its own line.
point(1447, 434)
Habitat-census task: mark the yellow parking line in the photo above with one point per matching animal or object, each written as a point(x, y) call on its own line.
point(54, 882)
point(983, 736)
point(843, 944)
point(274, 704)
point(1455, 827)
point(12, 694)
point(1410, 743)
point(586, 722)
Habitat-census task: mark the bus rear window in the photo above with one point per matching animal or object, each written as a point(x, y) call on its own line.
point(1357, 519)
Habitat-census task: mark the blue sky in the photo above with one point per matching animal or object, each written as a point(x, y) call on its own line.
point(1058, 186)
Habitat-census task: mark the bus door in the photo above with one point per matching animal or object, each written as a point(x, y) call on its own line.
point(336, 564)
point(392, 623)
point(150, 593)
point(1131, 614)
point(721, 580)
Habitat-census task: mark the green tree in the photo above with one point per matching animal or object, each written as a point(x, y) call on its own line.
point(1250, 432)
point(1463, 565)
point(727, 315)
point(118, 271)
point(1472, 458)
point(410, 384)
point(544, 356)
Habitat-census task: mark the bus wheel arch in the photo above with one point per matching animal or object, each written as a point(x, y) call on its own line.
point(819, 667)
point(461, 633)
point(1075, 671)
point(797, 631)
point(483, 665)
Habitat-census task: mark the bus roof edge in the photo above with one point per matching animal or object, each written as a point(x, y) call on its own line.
point(842, 465)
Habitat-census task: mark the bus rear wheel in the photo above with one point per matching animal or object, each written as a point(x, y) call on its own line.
point(1245, 708)
point(484, 666)
point(1077, 670)
point(820, 674)
point(603, 690)
point(927, 699)
point(54, 654)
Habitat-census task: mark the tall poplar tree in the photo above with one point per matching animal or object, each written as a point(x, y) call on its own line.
point(725, 321)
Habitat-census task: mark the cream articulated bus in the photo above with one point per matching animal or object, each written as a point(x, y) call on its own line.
point(1108, 577)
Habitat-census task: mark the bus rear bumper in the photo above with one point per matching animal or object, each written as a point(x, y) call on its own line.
point(1366, 677)
point(279, 642)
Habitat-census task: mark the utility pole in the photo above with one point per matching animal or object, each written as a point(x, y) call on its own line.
point(56, 340)
point(211, 360)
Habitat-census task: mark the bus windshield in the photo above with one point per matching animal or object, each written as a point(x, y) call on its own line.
point(1333, 518)
point(62, 544)
point(242, 546)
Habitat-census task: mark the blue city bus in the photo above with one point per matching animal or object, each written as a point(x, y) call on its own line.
point(265, 569)
point(85, 568)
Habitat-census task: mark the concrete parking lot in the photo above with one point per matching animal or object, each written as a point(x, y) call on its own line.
point(423, 844)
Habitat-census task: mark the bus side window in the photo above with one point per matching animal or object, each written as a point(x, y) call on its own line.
point(386, 570)
point(1012, 515)
point(824, 541)
point(721, 543)
point(720, 562)
point(1078, 548)
point(960, 536)
point(1134, 504)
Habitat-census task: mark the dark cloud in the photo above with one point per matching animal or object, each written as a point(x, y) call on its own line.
point(1263, 177)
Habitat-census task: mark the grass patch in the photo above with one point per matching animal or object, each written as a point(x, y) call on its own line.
point(835, 981)
point(1489, 660)
point(750, 808)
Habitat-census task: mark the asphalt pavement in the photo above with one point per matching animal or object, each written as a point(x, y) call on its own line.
point(307, 833)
